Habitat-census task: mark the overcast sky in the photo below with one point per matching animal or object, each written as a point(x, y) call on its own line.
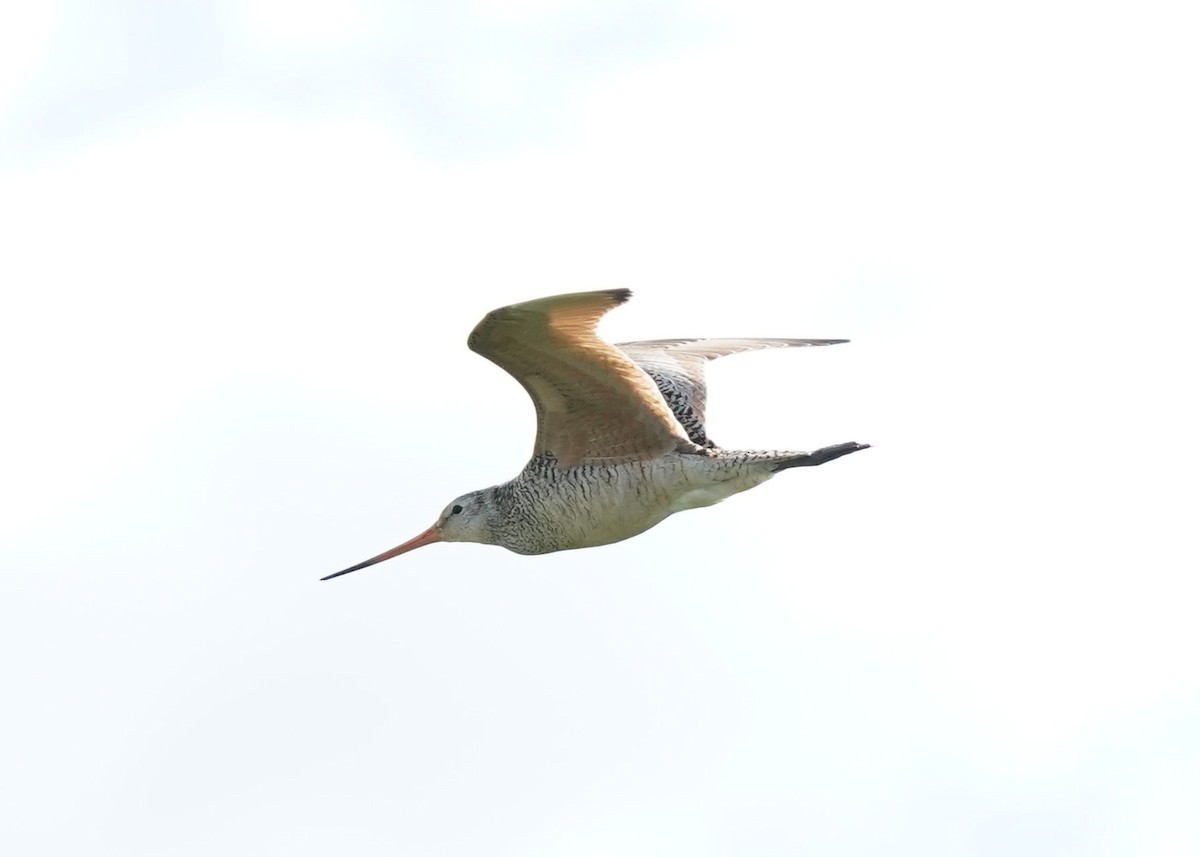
point(243, 244)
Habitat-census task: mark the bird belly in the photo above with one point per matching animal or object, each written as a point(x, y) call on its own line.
point(698, 498)
point(607, 513)
point(599, 505)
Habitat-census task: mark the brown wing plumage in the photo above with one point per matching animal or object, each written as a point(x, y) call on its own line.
point(593, 402)
point(677, 367)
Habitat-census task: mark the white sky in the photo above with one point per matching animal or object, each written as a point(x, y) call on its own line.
point(243, 243)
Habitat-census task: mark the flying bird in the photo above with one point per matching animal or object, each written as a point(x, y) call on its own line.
point(620, 444)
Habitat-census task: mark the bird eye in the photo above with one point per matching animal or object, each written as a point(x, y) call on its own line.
point(455, 509)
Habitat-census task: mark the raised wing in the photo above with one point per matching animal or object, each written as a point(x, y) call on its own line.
point(677, 369)
point(593, 402)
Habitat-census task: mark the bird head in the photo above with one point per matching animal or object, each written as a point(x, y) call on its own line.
point(465, 519)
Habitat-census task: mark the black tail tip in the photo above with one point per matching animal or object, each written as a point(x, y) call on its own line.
point(829, 453)
point(822, 455)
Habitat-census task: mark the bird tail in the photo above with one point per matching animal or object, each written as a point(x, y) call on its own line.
point(820, 456)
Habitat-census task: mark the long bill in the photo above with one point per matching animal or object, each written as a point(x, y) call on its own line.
point(433, 534)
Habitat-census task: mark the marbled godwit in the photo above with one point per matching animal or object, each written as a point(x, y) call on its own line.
point(620, 433)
